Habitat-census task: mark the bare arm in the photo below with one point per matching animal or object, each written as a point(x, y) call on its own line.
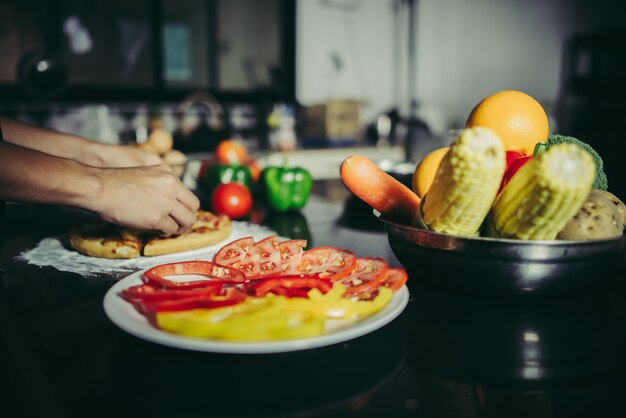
point(142, 197)
point(75, 147)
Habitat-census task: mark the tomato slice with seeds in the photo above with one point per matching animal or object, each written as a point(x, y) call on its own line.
point(395, 279)
point(330, 262)
point(291, 253)
point(253, 259)
point(267, 258)
point(236, 254)
point(366, 276)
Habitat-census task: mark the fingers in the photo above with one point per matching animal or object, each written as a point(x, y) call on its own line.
point(184, 212)
point(147, 197)
point(168, 226)
point(188, 199)
point(183, 217)
point(151, 159)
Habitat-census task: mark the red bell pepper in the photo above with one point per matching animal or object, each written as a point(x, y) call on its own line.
point(148, 293)
point(216, 275)
point(514, 161)
point(232, 296)
point(291, 285)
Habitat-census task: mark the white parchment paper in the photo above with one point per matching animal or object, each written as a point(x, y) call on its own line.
point(56, 252)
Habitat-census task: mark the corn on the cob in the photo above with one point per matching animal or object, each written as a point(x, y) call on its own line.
point(465, 184)
point(543, 195)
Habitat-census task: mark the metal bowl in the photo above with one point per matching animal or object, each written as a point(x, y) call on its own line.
point(505, 267)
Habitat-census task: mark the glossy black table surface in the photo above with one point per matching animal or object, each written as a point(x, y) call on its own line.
point(446, 355)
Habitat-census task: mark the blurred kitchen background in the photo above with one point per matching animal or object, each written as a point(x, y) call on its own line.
point(318, 79)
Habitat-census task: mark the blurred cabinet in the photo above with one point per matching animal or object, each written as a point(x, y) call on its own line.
point(249, 44)
point(147, 49)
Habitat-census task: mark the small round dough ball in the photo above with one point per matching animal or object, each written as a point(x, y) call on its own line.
point(176, 160)
point(147, 146)
point(160, 141)
point(598, 218)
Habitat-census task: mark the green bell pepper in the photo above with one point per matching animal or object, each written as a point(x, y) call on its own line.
point(286, 187)
point(217, 174)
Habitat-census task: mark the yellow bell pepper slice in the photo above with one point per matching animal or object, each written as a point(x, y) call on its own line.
point(256, 319)
point(272, 317)
point(333, 305)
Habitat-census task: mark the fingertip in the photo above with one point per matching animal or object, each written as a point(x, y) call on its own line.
point(184, 230)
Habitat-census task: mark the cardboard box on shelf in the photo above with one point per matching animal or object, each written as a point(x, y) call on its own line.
point(335, 119)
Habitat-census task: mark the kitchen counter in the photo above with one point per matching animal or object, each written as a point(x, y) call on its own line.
point(446, 355)
point(323, 163)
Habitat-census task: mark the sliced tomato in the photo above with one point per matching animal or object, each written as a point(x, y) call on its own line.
point(266, 254)
point(236, 254)
point(327, 262)
point(291, 253)
point(290, 286)
point(395, 279)
point(253, 259)
point(366, 276)
point(216, 275)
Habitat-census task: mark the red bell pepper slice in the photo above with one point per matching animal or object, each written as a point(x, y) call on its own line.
point(150, 293)
point(232, 296)
point(290, 286)
point(216, 275)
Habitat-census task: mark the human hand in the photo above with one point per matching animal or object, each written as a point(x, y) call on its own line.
point(107, 155)
point(148, 197)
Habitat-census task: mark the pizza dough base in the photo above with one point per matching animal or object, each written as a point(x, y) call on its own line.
point(109, 241)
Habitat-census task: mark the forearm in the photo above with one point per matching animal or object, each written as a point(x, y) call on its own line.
point(149, 197)
point(31, 176)
point(44, 140)
point(74, 147)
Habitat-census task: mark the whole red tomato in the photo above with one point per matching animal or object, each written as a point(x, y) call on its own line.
point(232, 199)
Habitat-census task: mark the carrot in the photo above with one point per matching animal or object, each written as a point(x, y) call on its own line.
point(378, 189)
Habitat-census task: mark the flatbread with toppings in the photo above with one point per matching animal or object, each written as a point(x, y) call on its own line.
point(110, 241)
point(104, 240)
point(208, 229)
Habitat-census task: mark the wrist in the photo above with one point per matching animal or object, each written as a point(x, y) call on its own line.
point(87, 187)
point(92, 153)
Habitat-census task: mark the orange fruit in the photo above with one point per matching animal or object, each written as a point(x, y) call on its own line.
point(518, 119)
point(230, 151)
point(426, 170)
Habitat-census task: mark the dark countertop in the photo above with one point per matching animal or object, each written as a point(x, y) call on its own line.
point(446, 355)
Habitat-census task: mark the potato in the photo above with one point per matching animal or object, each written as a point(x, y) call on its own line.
point(615, 200)
point(598, 218)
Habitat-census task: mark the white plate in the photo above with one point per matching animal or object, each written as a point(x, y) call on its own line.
point(126, 317)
